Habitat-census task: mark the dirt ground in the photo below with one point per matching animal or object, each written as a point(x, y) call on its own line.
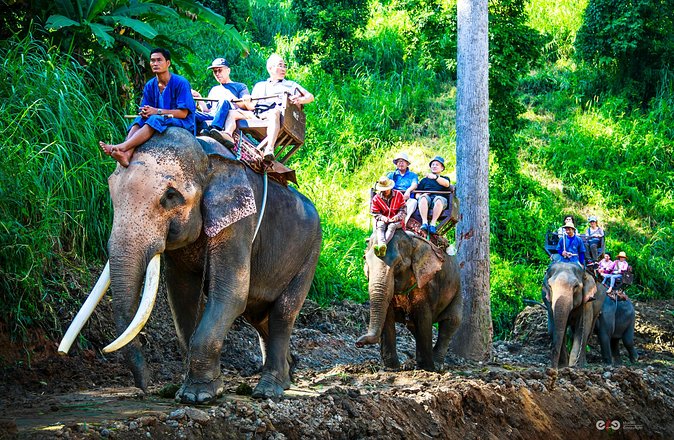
point(340, 391)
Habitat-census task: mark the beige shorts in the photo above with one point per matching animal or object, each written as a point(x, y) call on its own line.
point(432, 198)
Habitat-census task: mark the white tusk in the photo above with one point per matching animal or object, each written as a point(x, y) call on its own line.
point(144, 308)
point(86, 310)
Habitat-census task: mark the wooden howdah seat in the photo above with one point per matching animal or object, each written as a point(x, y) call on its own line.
point(449, 217)
point(291, 134)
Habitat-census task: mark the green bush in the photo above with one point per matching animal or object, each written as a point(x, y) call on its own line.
point(54, 206)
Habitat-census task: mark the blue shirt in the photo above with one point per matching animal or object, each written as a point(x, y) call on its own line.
point(177, 95)
point(402, 183)
point(238, 90)
point(575, 246)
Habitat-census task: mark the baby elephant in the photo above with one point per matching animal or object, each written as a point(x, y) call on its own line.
point(417, 284)
point(616, 322)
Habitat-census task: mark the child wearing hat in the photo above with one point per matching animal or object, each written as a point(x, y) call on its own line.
point(388, 208)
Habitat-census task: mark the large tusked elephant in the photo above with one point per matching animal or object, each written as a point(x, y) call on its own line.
point(194, 204)
point(567, 283)
point(415, 284)
point(615, 323)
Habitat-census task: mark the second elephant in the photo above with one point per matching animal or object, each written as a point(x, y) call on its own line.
point(616, 323)
point(416, 284)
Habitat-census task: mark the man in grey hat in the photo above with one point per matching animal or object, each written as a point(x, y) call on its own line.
point(433, 182)
point(225, 92)
point(405, 181)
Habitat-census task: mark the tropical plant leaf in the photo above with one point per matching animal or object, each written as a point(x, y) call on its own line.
point(65, 7)
point(207, 15)
point(145, 9)
point(56, 22)
point(134, 45)
point(95, 8)
point(138, 26)
point(101, 32)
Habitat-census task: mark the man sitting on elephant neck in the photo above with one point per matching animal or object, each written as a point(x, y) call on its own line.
point(572, 250)
point(388, 208)
point(167, 101)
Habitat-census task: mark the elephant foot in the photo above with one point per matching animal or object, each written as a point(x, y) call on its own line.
point(200, 391)
point(392, 364)
point(426, 366)
point(270, 387)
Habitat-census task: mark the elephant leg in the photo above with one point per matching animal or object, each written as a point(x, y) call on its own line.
point(628, 341)
point(262, 328)
point(581, 334)
point(423, 321)
point(184, 298)
point(563, 353)
point(605, 343)
point(615, 351)
point(446, 329)
point(387, 346)
point(275, 376)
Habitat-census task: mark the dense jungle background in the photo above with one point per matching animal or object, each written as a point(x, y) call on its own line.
point(582, 104)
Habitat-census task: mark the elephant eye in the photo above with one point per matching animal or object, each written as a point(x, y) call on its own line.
point(171, 198)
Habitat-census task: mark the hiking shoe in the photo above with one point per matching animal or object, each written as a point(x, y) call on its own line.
point(269, 157)
point(376, 249)
point(382, 250)
point(432, 229)
point(424, 227)
point(205, 132)
point(222, 136)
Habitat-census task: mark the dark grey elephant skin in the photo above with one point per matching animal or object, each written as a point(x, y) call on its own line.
point(199, 209)
point(567, 283)
point(416, 284)
point(616, 323)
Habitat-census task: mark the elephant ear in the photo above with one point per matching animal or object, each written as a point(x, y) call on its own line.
point(426, 261)
point(589, 285)
point(228, 197)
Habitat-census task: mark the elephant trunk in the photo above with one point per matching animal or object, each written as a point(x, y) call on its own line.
point(126, 274)
point(561, 308)
point(381, 293)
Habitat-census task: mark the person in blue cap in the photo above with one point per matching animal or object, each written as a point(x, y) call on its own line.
point(595, 234)
point(223, 94)
point(433, 181)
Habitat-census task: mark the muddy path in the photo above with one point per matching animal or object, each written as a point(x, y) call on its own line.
point(340, 391)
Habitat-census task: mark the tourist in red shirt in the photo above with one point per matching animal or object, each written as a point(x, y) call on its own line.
point(388, 208)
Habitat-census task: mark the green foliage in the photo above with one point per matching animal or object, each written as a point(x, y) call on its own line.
point(330, 36)
point(238, 13)
point(510, 284)
point(272, 18)
point(116, 33)
point(631, 40)
point(558, 22)
point(54, 206)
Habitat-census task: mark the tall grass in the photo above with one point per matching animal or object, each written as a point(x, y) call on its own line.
point(54, 205)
